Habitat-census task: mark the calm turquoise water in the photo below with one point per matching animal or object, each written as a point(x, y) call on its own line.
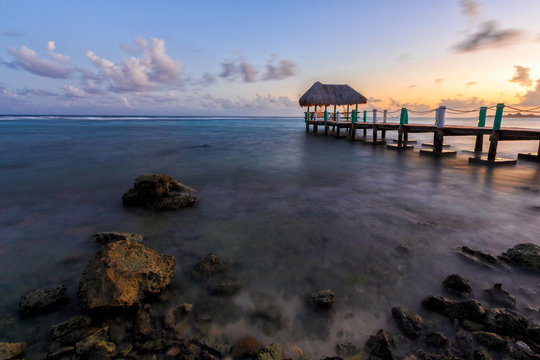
point(293, 212)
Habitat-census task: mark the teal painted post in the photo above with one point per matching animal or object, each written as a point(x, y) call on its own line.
point(353, 117)
point(403, 117)
point(348, 112)
point(482, 117)
point(365, 116)
point(498, 117)
point(325, 116)
point(306, 116)
point(334, 112)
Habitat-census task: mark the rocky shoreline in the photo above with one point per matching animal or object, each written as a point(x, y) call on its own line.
point(119, 293)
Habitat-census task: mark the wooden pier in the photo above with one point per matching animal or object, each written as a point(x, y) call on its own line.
point(349, 130)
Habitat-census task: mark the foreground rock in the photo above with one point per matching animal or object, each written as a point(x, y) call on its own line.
point(122, 273)
point(524, 255)
point(36, 301)
point(410, 322)
point(378, 345)
point(500, 296)
point(270, 352)
point(464, 309)
point(246, 348)
point(457, 285)
point(159, 192)
point(208, 266)
point(323, 299)
point(109, 237)
point(506, 322)
point(11, 350)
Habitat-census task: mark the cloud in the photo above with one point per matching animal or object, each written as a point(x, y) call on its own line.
point(125, 101)
point(127, 48)
point(463, 104)
point(404, 57)
point(413, 106)
point(36, 92)
point(470, 8)
point(154, 70)
point(283, 69)
point(248, 72)
point(531, 97)
point(522, 76)
point(411, 86)
point(73, 92)
point(27, 59)
point(13, 33)
point(488, 36)
point(438, 81)
point(471, 83)
point(58, 57)
point(259, 102)
point(240, 68)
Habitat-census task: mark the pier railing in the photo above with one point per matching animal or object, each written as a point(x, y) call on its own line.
point(355, 120)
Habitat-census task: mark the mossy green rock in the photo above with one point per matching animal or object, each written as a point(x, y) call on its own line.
point(270, 352)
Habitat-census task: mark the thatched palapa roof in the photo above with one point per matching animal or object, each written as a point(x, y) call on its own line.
point(329, 94)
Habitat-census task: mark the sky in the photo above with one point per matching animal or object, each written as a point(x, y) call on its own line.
point(245, 57)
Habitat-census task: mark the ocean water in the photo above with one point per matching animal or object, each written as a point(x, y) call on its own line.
point(292, 212)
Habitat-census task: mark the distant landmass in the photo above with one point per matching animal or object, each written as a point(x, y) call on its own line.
point(520, 115)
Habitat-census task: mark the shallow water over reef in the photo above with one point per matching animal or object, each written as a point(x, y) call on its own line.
point(292, 212)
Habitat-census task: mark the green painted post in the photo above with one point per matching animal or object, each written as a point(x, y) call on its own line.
point(306, 116)
point(325, 116)
point(403, 117)
point(347, 112)
point(354, 116)
point(308, 112)
point(498, 117)
point(482, 116)
point(365, 116)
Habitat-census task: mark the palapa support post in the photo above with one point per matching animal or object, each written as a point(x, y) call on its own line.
point(315, 120)
point(352, 130)
point(347, 112)
point(326, 127)
point(491, 158)
point(307, 120)
point(479, 144)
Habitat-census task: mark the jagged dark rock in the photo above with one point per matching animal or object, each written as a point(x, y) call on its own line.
point(491, 340)
point(323, 299)
point(457, 285)
point(10, 351)
point(40, 300)
point(464, 309)
point(159, 192)
point(436, 339)
point(500, 296)
point(378, 345)
point(109, 237)
point(410, 322)
point(506, 322)
point(208, 266)
point(524, 255)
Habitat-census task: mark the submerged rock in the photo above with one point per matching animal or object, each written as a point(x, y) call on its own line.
point(73, 323)
point(458, 285)
point(500, 296)
point(410, 322)
point(177, 318)
point(39, 300)
point(270, 352)
point(208, 266)
point(96, 346)
point(122, 273)
point(465, 309)
point(159, 192)
point(11, 350)
point(491, 340)
point(378, 345)
point(246, 348)
point(524, 255)
point(506, 322)
point(436, 339)
point(109, 237)
point(323, 299)
point(346, 349)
